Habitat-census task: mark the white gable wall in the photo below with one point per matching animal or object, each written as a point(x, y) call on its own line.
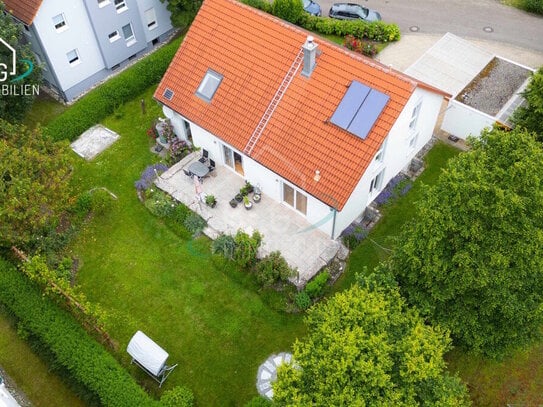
point(398, 153)
point(78, 35)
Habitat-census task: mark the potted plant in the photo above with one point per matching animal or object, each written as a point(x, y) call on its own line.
point(211, 200)
point(248, 204)
point(246, 189)
point(256, 198)
point(233, 203)
point(239, 197)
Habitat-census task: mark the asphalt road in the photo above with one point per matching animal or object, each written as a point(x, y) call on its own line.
point(482, 19)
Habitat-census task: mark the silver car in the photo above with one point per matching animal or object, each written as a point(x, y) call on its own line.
point(352, 11)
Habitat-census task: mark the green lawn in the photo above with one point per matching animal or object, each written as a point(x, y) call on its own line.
point(190, 302)
point(30, 373)
point(395, 214)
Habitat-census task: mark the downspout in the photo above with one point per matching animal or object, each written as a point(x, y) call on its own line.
point(333, 222)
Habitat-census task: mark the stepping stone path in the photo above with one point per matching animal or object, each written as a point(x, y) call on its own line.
point(267, 373)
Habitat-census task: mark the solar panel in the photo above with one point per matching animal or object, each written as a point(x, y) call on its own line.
point(368, 113)
point(349, 105)
point(168, 94)
point(359, 109)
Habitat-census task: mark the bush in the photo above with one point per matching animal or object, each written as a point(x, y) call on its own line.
point(259, 401)
point(83, 205)
point(289, 10)
point(149, 175)
point(194, 223)
point(375, 31)
point(246, 248)
point(102, 201)
point(397, 186)
point(533, 6)
point(180, 213)
point(160, 203)
point(316, 286)
point(259, 4)
point(302, 300)
point(70, 346)
point(352, 236)
point(179, 396)
point(225, 245)
point(363, 47)
point(102, 101)
point(273, 269)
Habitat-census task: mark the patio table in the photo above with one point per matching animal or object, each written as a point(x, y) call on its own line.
point(199, 169)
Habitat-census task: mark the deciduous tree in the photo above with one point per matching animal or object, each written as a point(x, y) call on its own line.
point(365, 347)
point(183, 11)
point(472, 260)
point(531, 115)
point(34, 176)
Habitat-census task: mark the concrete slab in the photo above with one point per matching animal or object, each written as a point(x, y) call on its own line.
point(402, 54)
point(93, 141)
point(283, 229)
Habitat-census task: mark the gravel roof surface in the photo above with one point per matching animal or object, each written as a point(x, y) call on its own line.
point(494, 86)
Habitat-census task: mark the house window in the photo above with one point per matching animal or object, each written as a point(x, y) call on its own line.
point(73, 57)
point(209, 85)
point(114, 36)
point(376, 183)
point(415, 116)
point(295, 198)
point(150, 19)
point(103, 3)
point(60, 22)
point(381, 153)
point(120, 5)
point(128, 34)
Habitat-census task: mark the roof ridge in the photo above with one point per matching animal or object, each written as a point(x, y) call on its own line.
point(361, 58)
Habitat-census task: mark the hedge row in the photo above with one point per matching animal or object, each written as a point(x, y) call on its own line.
point(375, 31)
point(102, 101)
point(88, 362)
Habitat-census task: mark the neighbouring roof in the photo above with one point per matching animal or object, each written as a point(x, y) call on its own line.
point(24, 10)
point(450, 64)
point(253, 51)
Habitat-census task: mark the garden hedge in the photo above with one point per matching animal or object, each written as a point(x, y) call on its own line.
point(86, 360)
point(375, 31)
point(102, 101)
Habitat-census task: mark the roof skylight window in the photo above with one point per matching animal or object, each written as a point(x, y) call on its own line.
point(209, 85)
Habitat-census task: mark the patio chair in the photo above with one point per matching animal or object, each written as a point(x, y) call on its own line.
point(205, 156)
point(211, 165)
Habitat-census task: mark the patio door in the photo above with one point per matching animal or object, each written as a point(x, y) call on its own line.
point(233, 159)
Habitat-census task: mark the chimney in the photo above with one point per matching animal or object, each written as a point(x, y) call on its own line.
point(310, 54)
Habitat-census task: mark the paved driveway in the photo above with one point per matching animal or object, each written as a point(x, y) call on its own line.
point(465, 18)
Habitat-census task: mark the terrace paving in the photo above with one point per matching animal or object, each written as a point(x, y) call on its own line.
point(303, 246)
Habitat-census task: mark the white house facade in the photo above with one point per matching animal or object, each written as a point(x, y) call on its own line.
point(81, 42)
point(320, 129)
point(413, 129)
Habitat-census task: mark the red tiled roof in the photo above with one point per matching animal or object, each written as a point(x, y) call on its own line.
point(253, 51)
point(24, 10)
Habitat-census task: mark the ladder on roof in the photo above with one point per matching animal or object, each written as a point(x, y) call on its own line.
point(274, 102)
